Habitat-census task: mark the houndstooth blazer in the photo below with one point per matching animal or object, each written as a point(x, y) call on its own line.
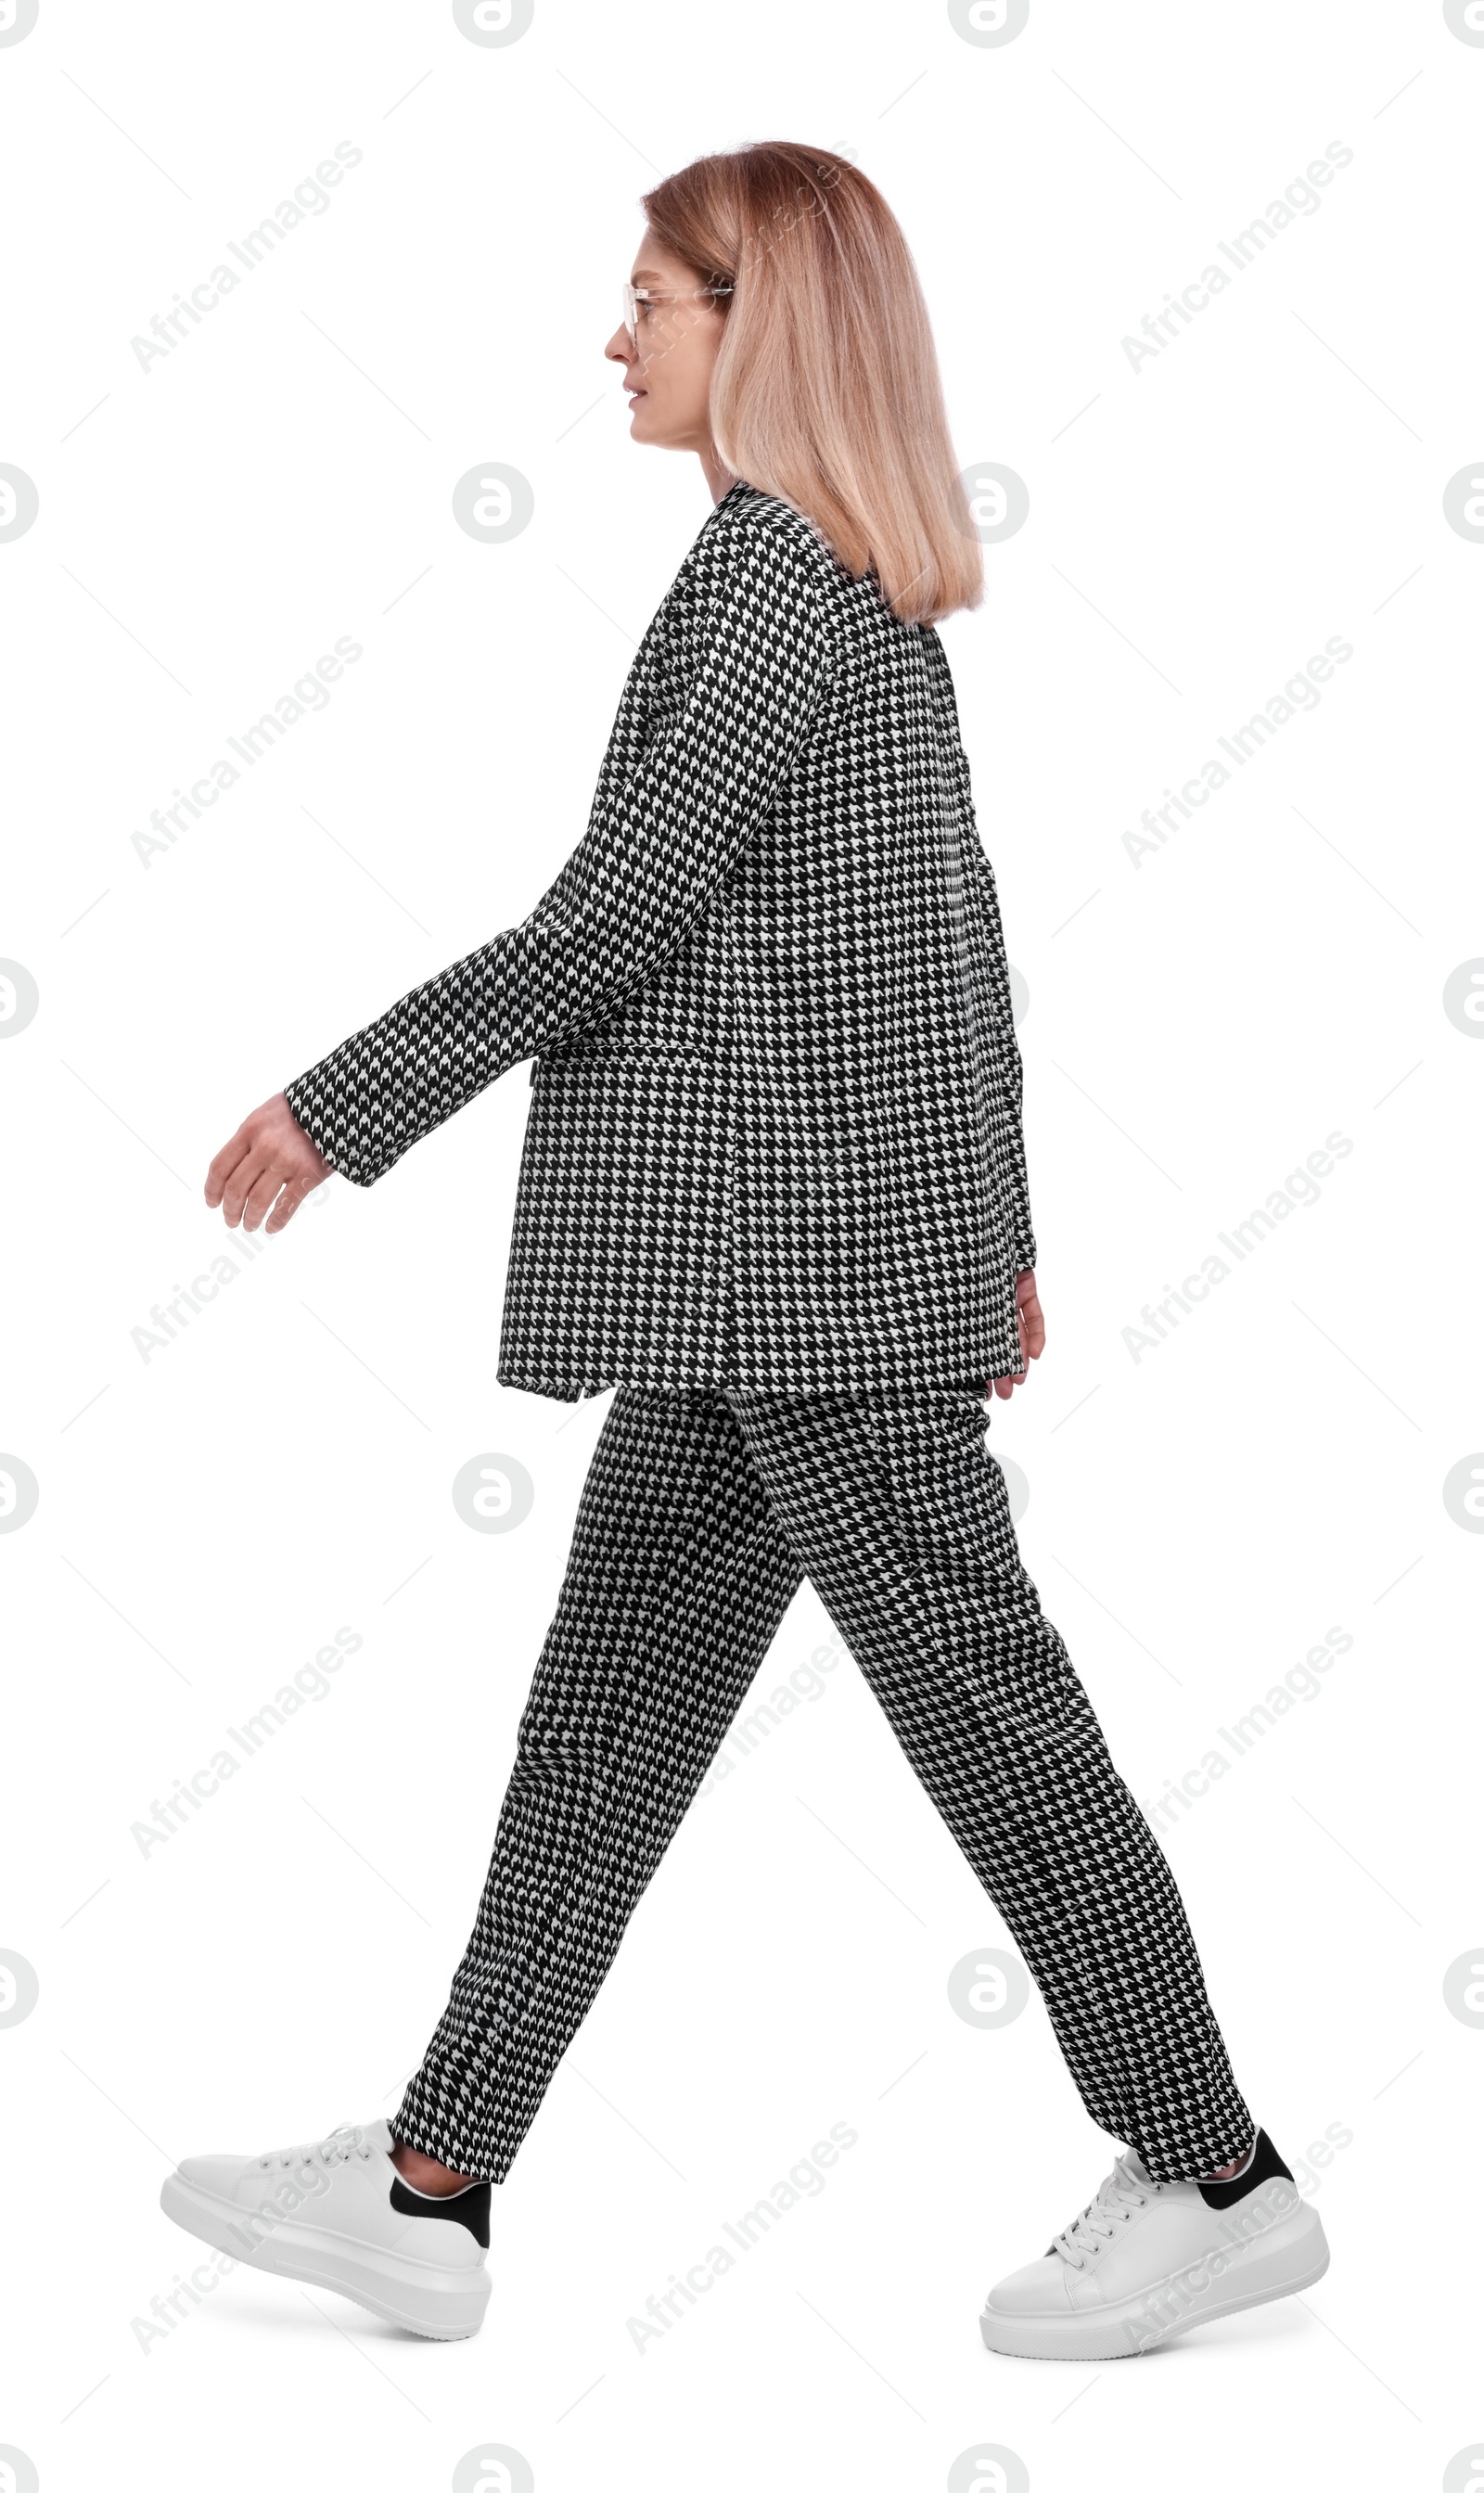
point(775, 1132)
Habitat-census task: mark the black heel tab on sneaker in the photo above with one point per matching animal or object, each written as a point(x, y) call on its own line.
point(1266, 2165)
point(469, 2208)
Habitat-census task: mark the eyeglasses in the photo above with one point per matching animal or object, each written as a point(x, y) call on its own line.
point(634, 295)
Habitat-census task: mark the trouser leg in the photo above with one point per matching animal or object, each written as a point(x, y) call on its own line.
point(676, 1582)
point(898, 1512)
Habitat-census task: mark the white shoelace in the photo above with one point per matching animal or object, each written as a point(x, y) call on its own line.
point(341, 2144)
point(1117, 2197)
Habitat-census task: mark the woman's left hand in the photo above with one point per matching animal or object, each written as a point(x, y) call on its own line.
point(1032, 1326)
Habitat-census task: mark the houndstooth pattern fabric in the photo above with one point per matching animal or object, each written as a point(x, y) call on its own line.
point(774, 1134)
point(702, 1512)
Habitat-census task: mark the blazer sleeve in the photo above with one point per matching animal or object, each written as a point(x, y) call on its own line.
point(1009, 1070)
point(747, 669)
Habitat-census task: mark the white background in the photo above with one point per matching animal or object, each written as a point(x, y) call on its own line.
point(1196, 1025)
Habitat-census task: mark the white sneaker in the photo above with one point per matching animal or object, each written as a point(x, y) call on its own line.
point(337, 2212)
point(1146, 2260)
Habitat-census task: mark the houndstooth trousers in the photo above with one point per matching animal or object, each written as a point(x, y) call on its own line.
point(702, 1513)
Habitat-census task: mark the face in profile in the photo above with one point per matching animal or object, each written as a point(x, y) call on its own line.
point(668, 358)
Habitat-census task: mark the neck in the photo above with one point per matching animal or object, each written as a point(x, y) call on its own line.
point(718, 476)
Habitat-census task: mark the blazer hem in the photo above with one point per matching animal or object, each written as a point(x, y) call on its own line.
point(850, 1379)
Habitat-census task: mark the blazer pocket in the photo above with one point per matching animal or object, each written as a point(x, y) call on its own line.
point(571, 1055)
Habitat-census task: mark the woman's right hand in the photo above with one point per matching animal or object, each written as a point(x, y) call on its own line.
point(1031, 1325)
point(265, 1173)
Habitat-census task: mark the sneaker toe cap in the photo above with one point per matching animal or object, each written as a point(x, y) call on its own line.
point(217, 2175)
point(1038, 2290)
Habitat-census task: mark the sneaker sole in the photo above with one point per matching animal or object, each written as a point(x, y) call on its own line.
point(1291, 2255)
point(431, 2302)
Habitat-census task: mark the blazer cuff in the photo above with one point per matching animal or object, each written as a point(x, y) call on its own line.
point(311, 1099)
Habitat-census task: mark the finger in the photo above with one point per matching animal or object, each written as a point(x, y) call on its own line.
point(240, 1184)
point(263, 1195)
point(222, 1167)
point(287, 1204)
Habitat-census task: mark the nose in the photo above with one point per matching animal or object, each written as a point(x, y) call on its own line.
point(619, 348)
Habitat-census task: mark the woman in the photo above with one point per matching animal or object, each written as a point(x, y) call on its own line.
point(773, 1192)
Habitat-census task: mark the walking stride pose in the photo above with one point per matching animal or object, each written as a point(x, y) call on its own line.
point(773, 1194)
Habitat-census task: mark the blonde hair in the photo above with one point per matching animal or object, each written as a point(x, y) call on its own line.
point(826, 389)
